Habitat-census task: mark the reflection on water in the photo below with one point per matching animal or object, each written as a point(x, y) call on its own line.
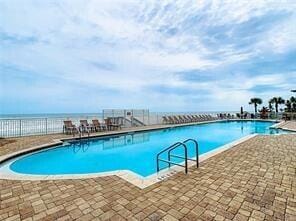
point(274, 131)
point(128, 139)
point(109, 142)
point(118, 141)
point(80, 146)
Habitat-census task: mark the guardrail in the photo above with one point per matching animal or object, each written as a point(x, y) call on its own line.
point(34, 126)
point(16, 127)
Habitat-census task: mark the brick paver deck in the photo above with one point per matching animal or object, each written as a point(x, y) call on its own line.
point(255, 180)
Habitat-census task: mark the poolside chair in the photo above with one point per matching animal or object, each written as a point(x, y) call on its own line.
point(98, 126)
point(194, 118)
point(209, 117)
point(110, 125)
point(199, 118)
point(175, 119)
point(187, 120)
point(204, 117)
point(86, 127)
point(190, 118)
point(180, 119)
point(69, 127)
point(165, 120)
point(214, 117)
point(118, 121)
point(172, 120)
point(184, 120)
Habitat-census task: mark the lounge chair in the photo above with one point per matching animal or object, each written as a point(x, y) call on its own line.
point(172, 120)
point(190, 118)
point(165, 120)
point(110, 125)
point(176, 120)
point(186, 119)
point(180, 119)
point(98, 126)
point(86, 127)
point(204, 117)
point(209, 117)
point(69, 127)
point(194, 119)
point(200, 118)
point(197, 119)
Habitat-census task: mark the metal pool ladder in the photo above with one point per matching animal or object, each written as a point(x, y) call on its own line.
point(182, 145)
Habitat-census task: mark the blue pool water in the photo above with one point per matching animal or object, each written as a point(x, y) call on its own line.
point(135, 152)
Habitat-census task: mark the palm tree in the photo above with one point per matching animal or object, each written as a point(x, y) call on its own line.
point(293, 103)
point(277, 101)
point(255, 101)
point(288, 106)
point(270, 105)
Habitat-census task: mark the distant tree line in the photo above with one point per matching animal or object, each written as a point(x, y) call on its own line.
point(274, 104)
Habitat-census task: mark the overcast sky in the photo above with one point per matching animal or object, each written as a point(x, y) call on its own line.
point(83, 56)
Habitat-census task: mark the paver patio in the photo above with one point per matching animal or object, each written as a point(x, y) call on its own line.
point(254, 180)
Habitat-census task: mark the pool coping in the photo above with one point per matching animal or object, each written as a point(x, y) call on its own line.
point(131, 177)
point(281, 125)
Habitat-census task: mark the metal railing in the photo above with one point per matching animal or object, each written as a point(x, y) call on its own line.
point(172, 147)
point(185, 157)
point(16, 127)
point(196, 151)
point(139, 115)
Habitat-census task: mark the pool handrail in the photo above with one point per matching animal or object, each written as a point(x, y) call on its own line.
point(196, 150)
point(173, 147)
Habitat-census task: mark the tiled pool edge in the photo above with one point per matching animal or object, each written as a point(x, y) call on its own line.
point(10, 156)
point(129, 176)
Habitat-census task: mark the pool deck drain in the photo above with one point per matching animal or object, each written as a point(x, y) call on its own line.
point(255, 180)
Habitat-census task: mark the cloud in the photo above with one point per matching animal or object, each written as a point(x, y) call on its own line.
point(164, 55)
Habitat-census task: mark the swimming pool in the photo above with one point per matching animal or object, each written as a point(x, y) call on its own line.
point(133, 151)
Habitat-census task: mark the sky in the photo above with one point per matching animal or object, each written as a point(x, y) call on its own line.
point(67, 56)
